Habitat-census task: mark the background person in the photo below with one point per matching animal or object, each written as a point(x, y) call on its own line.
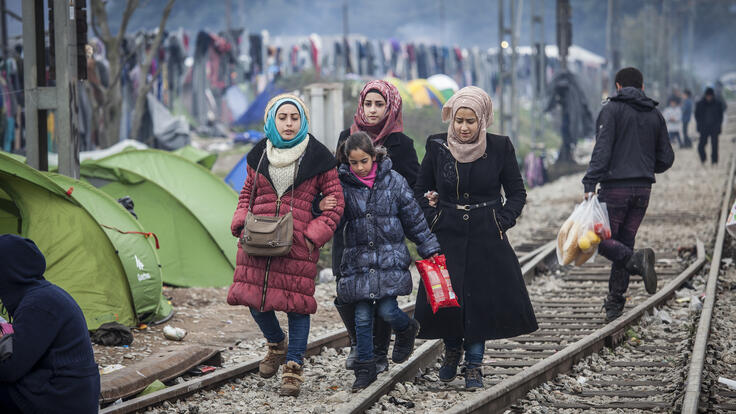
point(631, 145)
point(52, 368)
point(467, 168)
point(295, 168)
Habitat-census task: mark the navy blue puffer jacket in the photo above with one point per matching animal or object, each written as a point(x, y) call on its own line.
point(375, 262)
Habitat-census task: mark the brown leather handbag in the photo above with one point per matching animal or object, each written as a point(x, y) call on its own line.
point(268, 235)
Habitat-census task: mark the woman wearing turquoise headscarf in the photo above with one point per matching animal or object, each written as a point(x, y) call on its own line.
point(294, 168)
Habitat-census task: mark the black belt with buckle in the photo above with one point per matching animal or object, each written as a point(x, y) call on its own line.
point(468, 207)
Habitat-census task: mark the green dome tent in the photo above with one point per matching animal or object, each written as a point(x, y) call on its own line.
point(201, 157)
point(183, 203)
point(81, 257)
point(137, 255)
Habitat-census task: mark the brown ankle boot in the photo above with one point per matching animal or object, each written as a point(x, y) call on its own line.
point(291, 379)
point(274, 358)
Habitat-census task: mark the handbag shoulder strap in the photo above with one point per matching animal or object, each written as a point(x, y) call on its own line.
point(255, 181)
point(293, 185)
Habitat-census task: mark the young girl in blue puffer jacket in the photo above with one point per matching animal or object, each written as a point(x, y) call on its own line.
point(380, 210)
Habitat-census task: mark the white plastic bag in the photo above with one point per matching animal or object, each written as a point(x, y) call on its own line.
point(582, 232)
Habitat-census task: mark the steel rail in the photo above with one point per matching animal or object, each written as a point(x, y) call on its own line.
point(691, 399)
point(335, 339)
point(506, 392)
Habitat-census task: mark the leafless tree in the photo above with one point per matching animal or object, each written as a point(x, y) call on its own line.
point(112, 101)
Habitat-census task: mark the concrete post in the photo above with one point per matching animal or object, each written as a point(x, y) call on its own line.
point(325, 106)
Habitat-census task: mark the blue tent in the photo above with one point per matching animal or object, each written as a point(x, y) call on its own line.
point(236, 177)
point(255, 111)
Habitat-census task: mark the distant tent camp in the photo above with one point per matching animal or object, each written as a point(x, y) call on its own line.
point(424, 94)
point(406, 97)
point(113, 276)
point(184, 204)
point(196, 155)
point(254, 114)
point(444, 84)
point(236, 177)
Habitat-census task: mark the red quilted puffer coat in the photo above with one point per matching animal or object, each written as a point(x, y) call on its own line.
point(286, 283)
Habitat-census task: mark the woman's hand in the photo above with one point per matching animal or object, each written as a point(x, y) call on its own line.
point(433, 197)
point(328, 203)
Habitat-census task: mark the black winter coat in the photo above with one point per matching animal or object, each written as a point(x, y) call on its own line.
point(632, 143)
point(404, 159)
point(52, 369)
point(375, 261)
point(709, 116)
point(483, 267)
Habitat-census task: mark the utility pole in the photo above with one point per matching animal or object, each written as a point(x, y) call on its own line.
point(345, 35)
point(664, 60)
point(690, 44)
point(508, 42)
point(611, 46)
point(564, 31)
point(65, 19)
point(539, 69)
point(4, 32)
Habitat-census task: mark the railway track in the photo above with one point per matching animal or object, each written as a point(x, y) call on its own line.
point(642, 379)
point(572, 328)
point(531, 255)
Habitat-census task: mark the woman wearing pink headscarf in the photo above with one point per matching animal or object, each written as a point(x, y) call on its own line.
point(379, 115)
point(463, 171)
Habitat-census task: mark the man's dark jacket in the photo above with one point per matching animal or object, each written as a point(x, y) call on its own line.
point(709, 116)
point(631, 145)
point(52, 369)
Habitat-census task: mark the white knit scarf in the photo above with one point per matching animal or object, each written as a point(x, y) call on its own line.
point(282, 162)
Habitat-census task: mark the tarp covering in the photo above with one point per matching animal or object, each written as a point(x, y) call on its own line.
point(255, 111)
point(187, 206)
point(236, 177)
point(79, 256)
point(171, 132)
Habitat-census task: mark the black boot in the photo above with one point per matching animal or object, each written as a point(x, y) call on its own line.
point(347, 314)
point(614, 307)
point(404, 345)
point(450, 361)
point(365, 374)
point(381, 342)
point(642, 263)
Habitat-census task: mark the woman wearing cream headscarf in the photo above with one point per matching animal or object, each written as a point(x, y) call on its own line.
point(462, 174)
point(292, 168)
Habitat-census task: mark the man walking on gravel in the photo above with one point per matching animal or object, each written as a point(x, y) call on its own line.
point(632, 144)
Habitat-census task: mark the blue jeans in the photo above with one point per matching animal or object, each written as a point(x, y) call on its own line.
point(298, 332)
point(473, 351)
point(388, 310)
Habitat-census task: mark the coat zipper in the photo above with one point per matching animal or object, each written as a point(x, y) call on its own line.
point(268, 262)
point(435, 220)
point(500, 233)
point(278, 209)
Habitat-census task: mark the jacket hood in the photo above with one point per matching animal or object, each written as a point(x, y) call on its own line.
point(347, 176)
point(22, 269)
point(635, 98)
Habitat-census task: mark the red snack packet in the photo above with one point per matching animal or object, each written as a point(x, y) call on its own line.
point(436, 280)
